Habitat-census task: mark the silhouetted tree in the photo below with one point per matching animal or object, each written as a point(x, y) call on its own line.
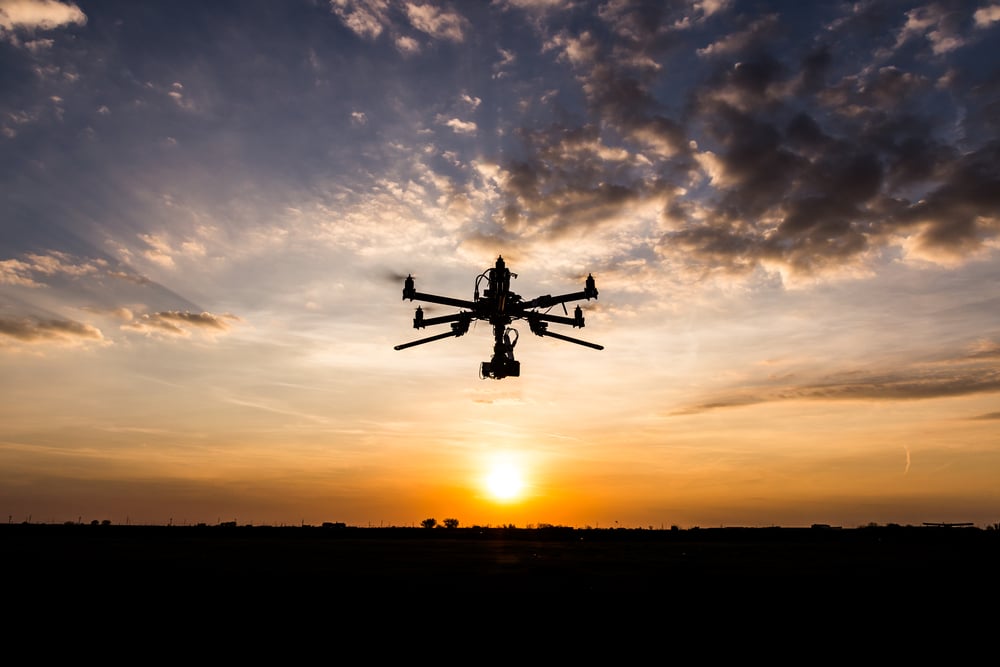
point(451, 523)
point(429, 523)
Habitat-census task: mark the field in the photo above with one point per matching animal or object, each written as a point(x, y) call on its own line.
point(349, 560)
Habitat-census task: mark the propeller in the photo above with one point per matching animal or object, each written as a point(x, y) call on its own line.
point(392, 276)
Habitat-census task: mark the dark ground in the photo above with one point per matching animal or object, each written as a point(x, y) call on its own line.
point(808, 595)
point(346, 559)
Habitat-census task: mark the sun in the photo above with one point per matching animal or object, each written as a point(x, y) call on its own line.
point(505, 482)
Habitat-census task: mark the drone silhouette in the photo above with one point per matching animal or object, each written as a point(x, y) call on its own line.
point(500, 307)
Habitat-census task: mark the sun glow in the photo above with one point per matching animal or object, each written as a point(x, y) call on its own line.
point(504, 481)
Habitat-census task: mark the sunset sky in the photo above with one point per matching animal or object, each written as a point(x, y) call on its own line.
point(791, 211)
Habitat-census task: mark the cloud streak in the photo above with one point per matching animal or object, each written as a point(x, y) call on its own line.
point(180, 323)
point(33, 268)
point(35, 330)
point(970, 374)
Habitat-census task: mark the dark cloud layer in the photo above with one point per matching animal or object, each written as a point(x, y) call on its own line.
point(821, 137)
point(976, 372)
point(33, 330)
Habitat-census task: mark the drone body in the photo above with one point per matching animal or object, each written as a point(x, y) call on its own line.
point(499, 306)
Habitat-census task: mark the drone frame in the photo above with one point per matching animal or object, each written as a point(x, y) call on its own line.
point(500, 307)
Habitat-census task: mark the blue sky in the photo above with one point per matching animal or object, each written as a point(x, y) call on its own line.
point(790, 210)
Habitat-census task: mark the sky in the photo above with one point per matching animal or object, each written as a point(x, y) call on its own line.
point(791, 212)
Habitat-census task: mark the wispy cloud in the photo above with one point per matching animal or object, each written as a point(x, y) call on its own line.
point(33, 268)
point(54, 331)
point(938, 24)
point(16, 272)
point(756, 32)
point(180, 323)
point(965, 375)
point(370, 18)
point(439, 23)
point(367, 18)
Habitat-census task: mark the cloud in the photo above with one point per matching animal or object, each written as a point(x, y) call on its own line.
point(370, 18)
point(436, 22)
point(507, 59)
point(596, 174)
point(776, 149)
point(962, 213)
point(166, 252)
point(797, 196)
point(460, 126)
point(158, 250)
point(788, 155)
point(760, 29)
point(180, 323)
point(34, 15)
point(709, 7)
point(940, 25)
point(968, 374)
point(130, 277)
point(535, 5)
point(61, 263)
point(985, 16)
point(176, 94)
point(985, 349)
point(407, 45)
point(367, 18)
point(36, 330)
point(119, 313)
point(16, 272)
point(38, 46)
point(30, 270)
point(581, 51)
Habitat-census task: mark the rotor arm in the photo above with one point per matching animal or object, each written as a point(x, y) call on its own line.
point(410, 292)
point(429, 339)
point(552, 334)
point(540, 328)
point(443, 300)
point(419, 321)
point(547, 300)
point(459, 328)
point(576, 321)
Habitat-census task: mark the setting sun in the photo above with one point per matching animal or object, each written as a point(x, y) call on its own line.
point(505, 482)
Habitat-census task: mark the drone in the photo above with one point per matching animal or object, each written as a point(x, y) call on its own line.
point(500, 307)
